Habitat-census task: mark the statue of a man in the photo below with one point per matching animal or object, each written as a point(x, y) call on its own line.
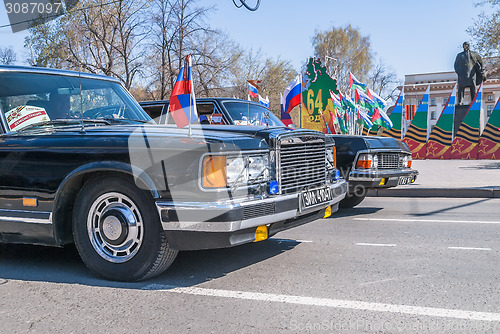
point(469, 67)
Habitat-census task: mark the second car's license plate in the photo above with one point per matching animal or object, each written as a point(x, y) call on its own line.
point(404, 180)
point(314, 197)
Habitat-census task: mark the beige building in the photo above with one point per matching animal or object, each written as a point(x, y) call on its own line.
point(441, 86)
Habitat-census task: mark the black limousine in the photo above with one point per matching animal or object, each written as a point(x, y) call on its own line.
point(81, 162)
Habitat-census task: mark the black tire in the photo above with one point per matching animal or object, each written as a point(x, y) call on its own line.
point(117, 231)
point(352, 199)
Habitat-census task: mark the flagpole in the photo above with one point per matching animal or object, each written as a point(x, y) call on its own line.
point(190, 130)
point(300, 105)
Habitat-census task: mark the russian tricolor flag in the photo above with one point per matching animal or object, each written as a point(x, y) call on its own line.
point(182, 100)
point(293, 93)
point(252, 90)
point(285, 117)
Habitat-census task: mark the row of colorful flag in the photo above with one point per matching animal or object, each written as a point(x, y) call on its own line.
point(467, 143)
point(368, 108)
point(362, 107)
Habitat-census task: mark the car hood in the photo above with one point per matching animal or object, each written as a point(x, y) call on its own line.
point(370, 142)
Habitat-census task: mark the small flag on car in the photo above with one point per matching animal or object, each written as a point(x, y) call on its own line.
point(182, 100)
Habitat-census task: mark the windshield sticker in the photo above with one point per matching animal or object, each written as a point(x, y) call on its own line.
point(25, 115)
point(216, 118)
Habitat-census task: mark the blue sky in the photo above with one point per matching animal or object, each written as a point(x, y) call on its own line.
point(410, 36)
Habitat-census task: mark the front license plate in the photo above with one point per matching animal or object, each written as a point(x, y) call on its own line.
point(314, 197)
point(404, 180)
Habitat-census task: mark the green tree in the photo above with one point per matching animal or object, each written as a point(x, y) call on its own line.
point(344, 50)
point(485, 33)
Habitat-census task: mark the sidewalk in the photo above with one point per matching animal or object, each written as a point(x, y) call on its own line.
point(450, 178)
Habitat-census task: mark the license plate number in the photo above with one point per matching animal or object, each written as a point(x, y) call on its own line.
point(314, 197)
point(404, 180)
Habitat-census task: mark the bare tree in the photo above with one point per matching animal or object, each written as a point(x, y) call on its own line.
point(7, 56)
point(382, 80)
point(214, 54)
point(98, 37)
point(179, 29)
point(249, 66)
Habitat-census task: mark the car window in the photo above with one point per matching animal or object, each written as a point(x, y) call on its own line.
point(29, 98)
point(208, 113)
point(154, 111)
point(244, 113)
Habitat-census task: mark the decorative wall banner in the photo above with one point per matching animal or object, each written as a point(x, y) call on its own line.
point(317, 102)
point(416, 136)
point(464, 144)
point(489, 142)
point(440, 139)
point(396, 118)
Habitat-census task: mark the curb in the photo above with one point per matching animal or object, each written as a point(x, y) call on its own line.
point(437, 192)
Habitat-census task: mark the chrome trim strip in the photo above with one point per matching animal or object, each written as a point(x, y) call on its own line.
point(21, 216)
point(227, 226)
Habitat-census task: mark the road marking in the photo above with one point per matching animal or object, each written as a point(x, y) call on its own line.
point(391, 279)
point(376, 245)
point(471, 248)
point(332, 303)
point(291, 240)
point(430, 221)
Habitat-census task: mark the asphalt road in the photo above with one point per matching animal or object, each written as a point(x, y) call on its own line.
point(391, 265)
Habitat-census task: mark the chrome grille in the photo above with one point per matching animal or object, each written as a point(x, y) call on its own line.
point(390, 161)
point(302, 163)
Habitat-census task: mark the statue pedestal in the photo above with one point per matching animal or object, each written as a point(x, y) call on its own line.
point(460, 112)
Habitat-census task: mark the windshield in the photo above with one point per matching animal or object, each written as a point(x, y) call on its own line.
point(30, 99)
point(244, 113)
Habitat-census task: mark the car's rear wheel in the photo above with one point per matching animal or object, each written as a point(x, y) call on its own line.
point(117, 231)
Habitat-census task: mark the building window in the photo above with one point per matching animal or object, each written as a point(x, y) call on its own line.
point(445, 99)
point(433, 102)
point(433, 115)
point(490, 98)
point(490, 110)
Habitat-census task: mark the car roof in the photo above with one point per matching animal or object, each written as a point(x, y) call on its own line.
point(201, 99)
point(45, 70)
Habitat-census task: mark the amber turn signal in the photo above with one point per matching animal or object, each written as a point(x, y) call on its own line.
point(30, 201)
point(364, 164)
point(214, 172)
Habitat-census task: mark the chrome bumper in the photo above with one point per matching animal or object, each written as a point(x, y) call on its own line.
point(234, 216)
point(370, 179)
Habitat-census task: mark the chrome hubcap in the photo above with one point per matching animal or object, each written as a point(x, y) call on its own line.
point(115, 227)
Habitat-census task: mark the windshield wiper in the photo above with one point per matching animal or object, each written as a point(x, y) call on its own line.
point(65, 122)
point(122, 120)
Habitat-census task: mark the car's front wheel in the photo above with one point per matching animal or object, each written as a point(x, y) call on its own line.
point(353, 198)
point(117, 231)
